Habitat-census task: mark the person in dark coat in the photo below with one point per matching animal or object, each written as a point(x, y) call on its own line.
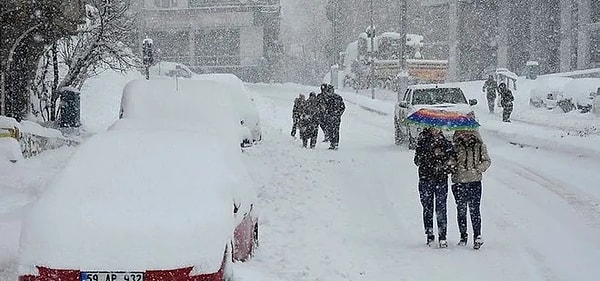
point(334, 108)
point(309, 121)
point(470, 161)
point(506, 100)
point(296, 111)
point(432, 156)
point(321, 97)
point(491, 86)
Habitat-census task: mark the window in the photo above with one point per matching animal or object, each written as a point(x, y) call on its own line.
point(165, 3)
point(595, 10)
point(438, 96)
point(595, 47)
point(218, 47)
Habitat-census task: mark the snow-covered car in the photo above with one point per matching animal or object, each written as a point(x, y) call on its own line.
point(426, 96)
point(242, 99)
point(142, 205)
point(596, 102)
point(200, 104)
point(564, 92)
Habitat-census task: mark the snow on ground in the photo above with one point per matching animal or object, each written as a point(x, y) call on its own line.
point(20, 184)
point(354, 214)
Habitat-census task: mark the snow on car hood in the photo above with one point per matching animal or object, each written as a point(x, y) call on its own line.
point(136, 201)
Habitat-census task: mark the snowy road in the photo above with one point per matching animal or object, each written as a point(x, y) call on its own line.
point(353, 214)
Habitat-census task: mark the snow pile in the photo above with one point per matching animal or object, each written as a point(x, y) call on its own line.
point(153, 199)
point(101, 97)
point(10, 150)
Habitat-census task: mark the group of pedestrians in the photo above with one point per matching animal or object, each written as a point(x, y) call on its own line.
point(493, 90)
point(324, 110)
point(465, 158)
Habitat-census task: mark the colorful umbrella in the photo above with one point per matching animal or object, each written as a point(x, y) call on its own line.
point(442, 119)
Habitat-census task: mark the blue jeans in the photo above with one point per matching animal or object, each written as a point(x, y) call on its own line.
point(433, 194)
point(468, 195)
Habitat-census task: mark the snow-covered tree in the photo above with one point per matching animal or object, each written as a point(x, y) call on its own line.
point(100, 44)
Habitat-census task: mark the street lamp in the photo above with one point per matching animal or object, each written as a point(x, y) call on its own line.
point(371, 34)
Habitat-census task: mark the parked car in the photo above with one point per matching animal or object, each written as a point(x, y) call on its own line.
point(242, 99)
point(171, 69)
point(426, 96)
point(141, 205)
point(190, 103)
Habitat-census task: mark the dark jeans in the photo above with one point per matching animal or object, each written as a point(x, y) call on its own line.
point(294, 125)
point(506, 111)
point(491, 98)
point(468, 195)
point(325, 127)
point(334, 131)
point(432, 191)
point(309, 132)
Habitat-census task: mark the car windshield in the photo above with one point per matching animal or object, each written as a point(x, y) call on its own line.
point(438, 96)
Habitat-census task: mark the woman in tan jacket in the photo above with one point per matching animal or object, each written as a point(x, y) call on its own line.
point(470, 161)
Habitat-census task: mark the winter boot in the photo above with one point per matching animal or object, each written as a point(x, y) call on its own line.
point(430, 236)
point(463, 239)
point(478, 243)
point(443, 243)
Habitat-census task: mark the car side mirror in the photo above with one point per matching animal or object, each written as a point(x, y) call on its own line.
point(403, 104)
point(472, 102)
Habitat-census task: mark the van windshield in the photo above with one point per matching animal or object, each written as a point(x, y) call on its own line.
point(438, 96)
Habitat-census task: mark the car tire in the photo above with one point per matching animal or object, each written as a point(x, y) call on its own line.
point(399, 136)
point(254, 244)
point(412, 142)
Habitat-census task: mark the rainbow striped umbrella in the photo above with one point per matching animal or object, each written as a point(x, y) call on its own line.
point(442, 119)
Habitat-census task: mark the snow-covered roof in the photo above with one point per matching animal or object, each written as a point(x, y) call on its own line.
point(531, 63)
point(136, 200)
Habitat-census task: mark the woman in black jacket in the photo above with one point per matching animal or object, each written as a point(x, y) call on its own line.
point(432, 156)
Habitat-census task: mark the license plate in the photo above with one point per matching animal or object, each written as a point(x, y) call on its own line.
point(111, 276)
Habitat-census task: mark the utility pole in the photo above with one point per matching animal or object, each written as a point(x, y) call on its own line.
point(372, 59)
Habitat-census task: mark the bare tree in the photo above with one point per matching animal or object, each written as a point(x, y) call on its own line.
point(100, 44)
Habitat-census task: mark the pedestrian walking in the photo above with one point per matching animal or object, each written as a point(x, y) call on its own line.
point(309, 121)
point(470, 161)
point(296, 111)
point(506, 100)
point(491, 87)
point(323, 119)
point(334, 109)
point(432, 156)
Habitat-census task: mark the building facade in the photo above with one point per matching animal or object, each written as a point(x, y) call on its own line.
point(561, 35)
point(233, 36)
